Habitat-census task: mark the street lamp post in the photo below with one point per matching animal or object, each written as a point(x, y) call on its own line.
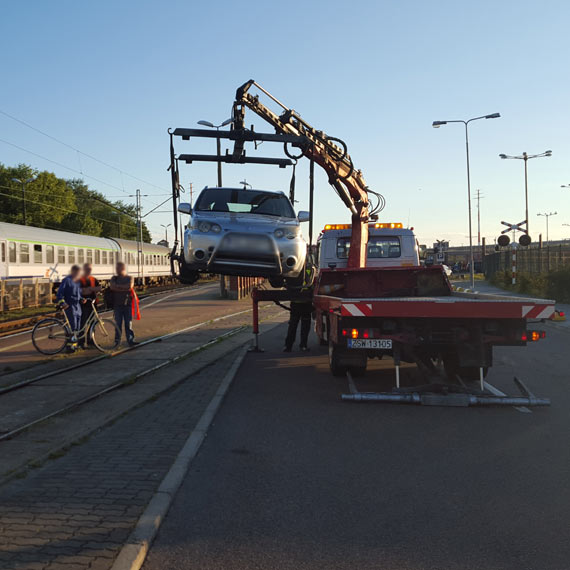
point(436, 125)
point(547, 216)
point(524, 156)
point(23, 183)
point(166, 231)
point(218, 143)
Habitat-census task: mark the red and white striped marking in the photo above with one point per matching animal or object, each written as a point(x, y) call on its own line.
point(356, 310)
point(537, 311)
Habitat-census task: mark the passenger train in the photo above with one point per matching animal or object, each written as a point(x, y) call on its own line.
point(36, 252)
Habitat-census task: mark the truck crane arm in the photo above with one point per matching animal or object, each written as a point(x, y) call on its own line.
point(328, 152)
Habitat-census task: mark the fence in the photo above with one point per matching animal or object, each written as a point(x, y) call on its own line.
point(22, 293)
point(529, 260)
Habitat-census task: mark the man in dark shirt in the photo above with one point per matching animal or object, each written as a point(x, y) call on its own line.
point(69, 297)
point(89, 289)
point(121, 286)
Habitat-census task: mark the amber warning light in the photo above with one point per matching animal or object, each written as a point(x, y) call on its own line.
point(379, 225)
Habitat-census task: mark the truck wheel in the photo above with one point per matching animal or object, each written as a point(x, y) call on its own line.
point(276, 282)
point(467, 373)
point(338, 368)
point(341, 360)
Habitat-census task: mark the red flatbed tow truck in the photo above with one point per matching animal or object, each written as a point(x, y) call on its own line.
point(407, 312)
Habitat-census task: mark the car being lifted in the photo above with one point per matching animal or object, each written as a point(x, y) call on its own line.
point(237, 231)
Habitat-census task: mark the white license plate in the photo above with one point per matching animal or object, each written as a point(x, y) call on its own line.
point(381, 343)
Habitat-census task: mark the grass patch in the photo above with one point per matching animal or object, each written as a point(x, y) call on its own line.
point(548, 285)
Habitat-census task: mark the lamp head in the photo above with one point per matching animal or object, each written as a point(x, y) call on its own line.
point(493, 116)
point(206, 123)
point(503, 155)
point(437, 124)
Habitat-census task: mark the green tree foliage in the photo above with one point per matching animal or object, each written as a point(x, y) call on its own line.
point(68, 205)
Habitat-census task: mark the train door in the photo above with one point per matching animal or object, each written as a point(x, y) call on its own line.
point(3, 259)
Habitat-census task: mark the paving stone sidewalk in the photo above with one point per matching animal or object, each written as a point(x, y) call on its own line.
point(75, 512)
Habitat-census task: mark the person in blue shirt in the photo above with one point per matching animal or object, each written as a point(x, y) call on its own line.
point(69, 296)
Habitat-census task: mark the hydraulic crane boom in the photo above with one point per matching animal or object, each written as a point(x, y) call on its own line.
point(324, 151)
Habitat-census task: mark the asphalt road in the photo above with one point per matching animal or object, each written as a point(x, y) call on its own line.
point(290, 477)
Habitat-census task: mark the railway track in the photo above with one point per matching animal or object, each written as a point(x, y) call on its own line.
point(20, 326)
point(123, 381)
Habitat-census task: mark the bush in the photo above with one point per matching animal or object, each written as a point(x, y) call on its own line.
point(553, 285)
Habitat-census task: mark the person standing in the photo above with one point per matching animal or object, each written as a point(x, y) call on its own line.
point(69, 297)
point(122, 289)
point(301, 310)
point(89, 288)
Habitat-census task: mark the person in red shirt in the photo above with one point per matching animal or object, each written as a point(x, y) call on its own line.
point(89, 288)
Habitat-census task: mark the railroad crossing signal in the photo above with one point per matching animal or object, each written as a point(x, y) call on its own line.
point(524, 239)
point(514, 227)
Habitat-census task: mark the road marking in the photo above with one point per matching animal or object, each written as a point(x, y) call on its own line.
point(497, 392)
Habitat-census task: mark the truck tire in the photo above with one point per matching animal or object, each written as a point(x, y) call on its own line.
point(467, 373)
point(335, 360)
point(342, 360)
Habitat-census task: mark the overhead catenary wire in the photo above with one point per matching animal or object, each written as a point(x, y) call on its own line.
point(80, 152)
point(65, 166)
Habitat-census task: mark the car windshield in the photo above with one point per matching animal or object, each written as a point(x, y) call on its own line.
point(244, 201)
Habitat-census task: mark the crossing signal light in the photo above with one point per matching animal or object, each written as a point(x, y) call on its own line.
point(524, 239)
point(503, 240)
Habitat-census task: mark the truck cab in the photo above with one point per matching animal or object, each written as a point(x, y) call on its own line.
point(389, 245)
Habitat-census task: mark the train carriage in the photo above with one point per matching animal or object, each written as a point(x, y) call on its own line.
point(28, 252)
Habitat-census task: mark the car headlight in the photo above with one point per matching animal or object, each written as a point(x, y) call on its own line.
point(204, 226)
point(278, 233)
point(216, 228)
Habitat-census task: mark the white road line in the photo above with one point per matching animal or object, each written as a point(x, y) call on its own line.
point(498, 392)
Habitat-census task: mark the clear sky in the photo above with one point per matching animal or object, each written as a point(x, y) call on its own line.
point(109, 78)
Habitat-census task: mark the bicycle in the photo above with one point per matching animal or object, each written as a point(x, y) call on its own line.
point(51, 335)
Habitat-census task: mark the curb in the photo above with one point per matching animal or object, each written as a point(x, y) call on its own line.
point(134, 551)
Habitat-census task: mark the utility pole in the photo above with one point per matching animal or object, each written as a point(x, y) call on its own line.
point(140, 259)
point(23, 183)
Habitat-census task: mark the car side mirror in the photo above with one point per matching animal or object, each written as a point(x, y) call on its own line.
point(303, 216)
point(185, 208)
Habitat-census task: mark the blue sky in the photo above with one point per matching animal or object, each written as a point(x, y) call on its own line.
point(110, 77)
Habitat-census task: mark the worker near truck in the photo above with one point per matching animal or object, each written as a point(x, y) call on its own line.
point(89, 288)
point(301, 310)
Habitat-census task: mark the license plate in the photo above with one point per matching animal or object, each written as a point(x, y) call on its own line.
point(381, 343)
point(246, 243)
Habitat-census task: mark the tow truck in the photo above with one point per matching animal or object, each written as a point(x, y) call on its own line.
point(395, 308)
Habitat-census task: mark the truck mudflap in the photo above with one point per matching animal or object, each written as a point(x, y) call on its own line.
point(449, 395)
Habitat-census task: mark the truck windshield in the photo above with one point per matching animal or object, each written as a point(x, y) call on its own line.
point(378, 247)
point(244, 201)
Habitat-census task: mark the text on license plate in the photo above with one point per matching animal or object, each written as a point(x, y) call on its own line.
point(382, 343)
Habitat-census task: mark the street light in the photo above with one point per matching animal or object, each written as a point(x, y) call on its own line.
point(245, 184)
point(166, 231)
point(436, 125)
point(23, 183)
point(565, 186)
point(524, 156)
point(547, 216)
point(218, 143)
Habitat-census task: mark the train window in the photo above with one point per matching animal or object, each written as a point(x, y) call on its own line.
point(104, 257)
point(3, 252)
point(38, 257)
point(71, 255)
point(89, 256)
point(24, 253)
point(11, 252)
point(49, 254)
point(97, 257)
point(81, 256)
point(61, 254)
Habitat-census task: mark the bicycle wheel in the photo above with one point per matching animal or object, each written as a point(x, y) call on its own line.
point(105, 335)
point(50, 336)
